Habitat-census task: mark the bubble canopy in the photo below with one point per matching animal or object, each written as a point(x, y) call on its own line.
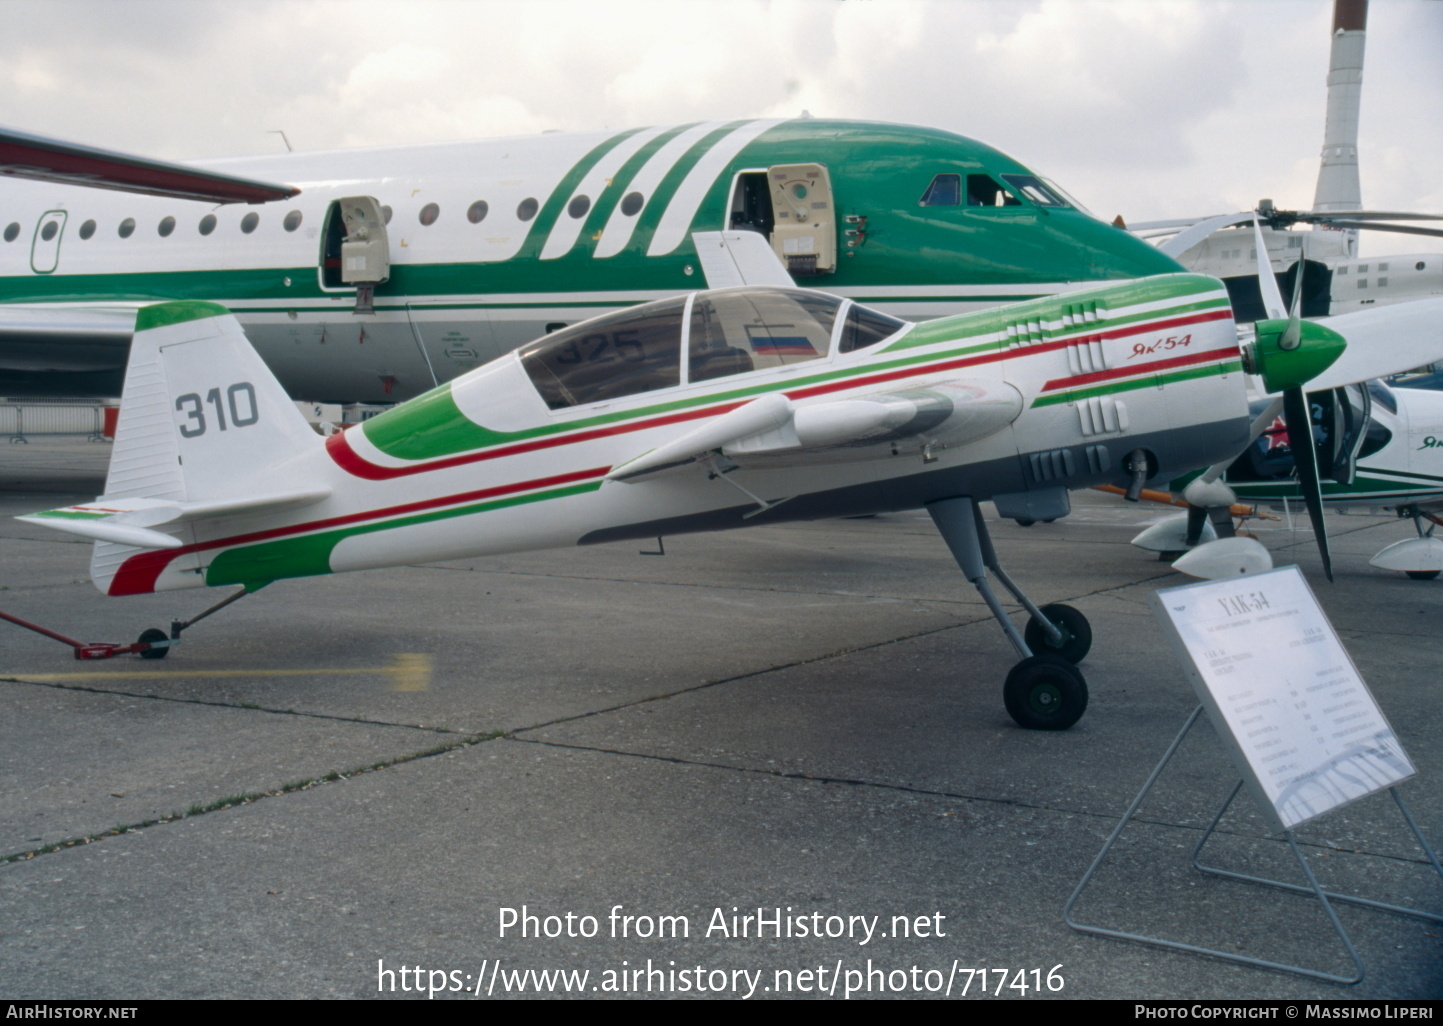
point(722, 333)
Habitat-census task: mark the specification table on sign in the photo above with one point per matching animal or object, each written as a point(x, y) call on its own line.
point(1304, 729)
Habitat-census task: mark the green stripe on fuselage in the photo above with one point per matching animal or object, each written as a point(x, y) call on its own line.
point(431, 426)
point(310, 555)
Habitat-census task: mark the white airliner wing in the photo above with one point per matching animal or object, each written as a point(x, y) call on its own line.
point(23, 155)
point(73, 338)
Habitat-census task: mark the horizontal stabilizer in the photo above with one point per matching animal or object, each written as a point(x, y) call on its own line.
point(739, 258)
point(132, 521)
point(102, 527)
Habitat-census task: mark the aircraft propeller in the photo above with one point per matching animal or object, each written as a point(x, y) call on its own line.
point(1281, 335)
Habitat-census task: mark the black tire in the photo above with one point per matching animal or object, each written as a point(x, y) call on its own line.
point(1423, 575)
point(1024, 522)
point(154, 634)
point(1076, 633)
point(1045, 693)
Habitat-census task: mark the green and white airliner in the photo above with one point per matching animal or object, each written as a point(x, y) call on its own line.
point(392, 270)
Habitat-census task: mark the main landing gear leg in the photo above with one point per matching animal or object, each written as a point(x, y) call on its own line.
point(1044, 691)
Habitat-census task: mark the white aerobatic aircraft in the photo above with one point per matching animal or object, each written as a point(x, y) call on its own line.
point(707, 411)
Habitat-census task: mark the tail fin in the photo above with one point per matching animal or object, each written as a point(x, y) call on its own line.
point(205, 431)
point(201, 417)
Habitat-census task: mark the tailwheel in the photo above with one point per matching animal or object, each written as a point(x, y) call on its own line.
point(154, 634)
point(1045, 692)
point(1076, 638)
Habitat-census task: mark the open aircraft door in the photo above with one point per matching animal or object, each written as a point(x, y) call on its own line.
point(356, 252)
point(805, 231)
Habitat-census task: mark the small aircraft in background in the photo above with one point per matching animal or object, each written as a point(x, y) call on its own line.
point(380, 273)
point(707, 411)
point(1350, 443)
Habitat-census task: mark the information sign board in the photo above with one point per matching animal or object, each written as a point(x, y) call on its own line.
point(1283, 693)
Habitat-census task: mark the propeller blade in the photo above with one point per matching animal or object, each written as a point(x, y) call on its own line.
point(1305, 457)
point(1194, 232)
point(1267, 283)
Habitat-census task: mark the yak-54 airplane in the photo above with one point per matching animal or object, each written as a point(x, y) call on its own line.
point(707, 411)
point(376, 274)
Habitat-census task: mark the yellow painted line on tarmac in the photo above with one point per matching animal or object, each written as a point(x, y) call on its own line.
point(409, 671)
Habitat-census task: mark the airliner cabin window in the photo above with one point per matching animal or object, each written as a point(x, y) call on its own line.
point(127, 228)
point(87, 229)
point(740, 330)
point(12, 231)
point(945, 191)
point(626, 353)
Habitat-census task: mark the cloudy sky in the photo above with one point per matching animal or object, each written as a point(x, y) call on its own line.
point(1149, 108)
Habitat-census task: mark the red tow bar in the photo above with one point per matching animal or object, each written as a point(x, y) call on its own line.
point(93, 649)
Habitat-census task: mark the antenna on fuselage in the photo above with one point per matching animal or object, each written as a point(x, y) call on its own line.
point(281, 132)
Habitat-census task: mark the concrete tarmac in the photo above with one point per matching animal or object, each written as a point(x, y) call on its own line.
point(339, 781)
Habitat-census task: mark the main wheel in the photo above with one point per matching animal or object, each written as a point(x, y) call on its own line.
point(154, 634)
point(1045, 693)
point(1423, 575)
point(1076, 633)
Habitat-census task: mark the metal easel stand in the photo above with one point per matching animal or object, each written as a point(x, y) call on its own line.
point(1313, 888)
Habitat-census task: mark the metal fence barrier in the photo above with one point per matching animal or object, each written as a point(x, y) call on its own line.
point(21, 419)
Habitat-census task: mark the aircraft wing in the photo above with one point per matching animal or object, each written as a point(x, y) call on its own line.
point(68, 338)
point(777, 431)
point(1383, 341)
point(23, 155)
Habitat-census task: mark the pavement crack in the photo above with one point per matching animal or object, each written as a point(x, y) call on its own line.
point(251, 797)
point(1015, 803)
point(239, 706)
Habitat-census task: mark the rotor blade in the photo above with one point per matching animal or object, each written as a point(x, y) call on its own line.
point(1305, 458)
point(1267, 282)
point(1366, 215)
point(1403, 229)
point(1190, 237)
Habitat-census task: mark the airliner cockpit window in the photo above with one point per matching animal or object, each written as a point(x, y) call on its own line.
point(631, 351)
point(945, 191)
point(983, 191)
point(1036, 190)
point(740, 330)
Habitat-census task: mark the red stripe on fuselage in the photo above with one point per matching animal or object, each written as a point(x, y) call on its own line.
point(1076, 381)
point(339, 447)
point(138, 574)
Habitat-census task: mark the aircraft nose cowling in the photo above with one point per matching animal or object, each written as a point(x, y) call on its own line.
point(1281, 369)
